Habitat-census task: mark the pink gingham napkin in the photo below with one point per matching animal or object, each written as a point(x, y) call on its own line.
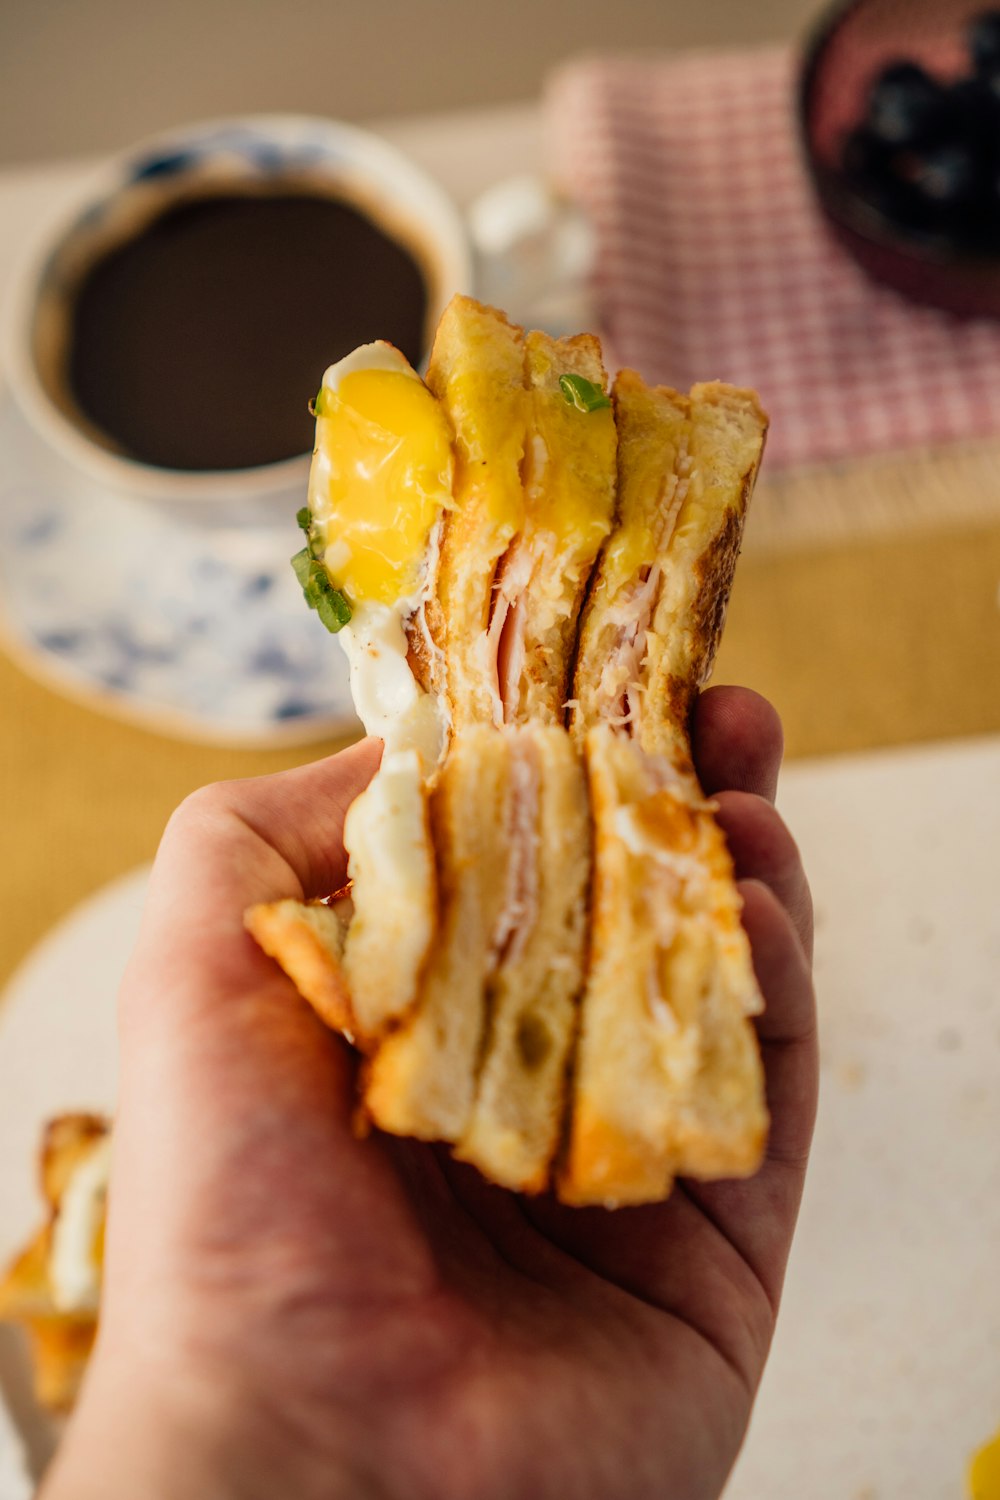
point(715, 263)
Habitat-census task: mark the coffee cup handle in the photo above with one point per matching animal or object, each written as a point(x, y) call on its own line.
point(534, 255)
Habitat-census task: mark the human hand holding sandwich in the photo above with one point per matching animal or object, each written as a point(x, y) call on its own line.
point(289, 1310)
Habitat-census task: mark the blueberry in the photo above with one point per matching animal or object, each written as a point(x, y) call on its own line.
point(974, 113)
point(947, 176)
point(906, 106)
point(984, 41)
point(878, 175)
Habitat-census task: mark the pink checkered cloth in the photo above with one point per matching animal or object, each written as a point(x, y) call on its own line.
point(714, 262)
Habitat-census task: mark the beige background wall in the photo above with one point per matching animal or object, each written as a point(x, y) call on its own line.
point(86, 75)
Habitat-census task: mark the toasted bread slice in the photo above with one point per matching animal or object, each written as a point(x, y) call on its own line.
point(476, 371)
point(394, 893)
point(656, 607)
point(421, 1080)
point(569, 483)
point(728, 431)
point(307, 940)
point(516, 1119)
point(667, 1076)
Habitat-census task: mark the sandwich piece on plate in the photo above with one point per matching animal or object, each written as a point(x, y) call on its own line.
point(53, 1287)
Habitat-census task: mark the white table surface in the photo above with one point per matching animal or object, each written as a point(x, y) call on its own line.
point(885, 1373)
point(886, 1369)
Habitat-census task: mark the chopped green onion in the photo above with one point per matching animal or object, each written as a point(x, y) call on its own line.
point(316, 404)
point(303, 518)
point(329, 603)
point(582, 393)
point(334, 610)
point(302, 563)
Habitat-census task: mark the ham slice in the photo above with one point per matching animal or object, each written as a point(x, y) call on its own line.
point(520, 908)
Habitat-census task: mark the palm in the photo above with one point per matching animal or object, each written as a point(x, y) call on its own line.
point(479, 1344)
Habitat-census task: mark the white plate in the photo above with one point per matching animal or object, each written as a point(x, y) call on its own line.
point(58, 1038)
point(195, 631)
point(884, 1376)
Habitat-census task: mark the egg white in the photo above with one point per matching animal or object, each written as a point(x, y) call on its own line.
point(391, 865)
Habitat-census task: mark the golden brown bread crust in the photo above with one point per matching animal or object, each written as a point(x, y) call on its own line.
point(66, 1141)
point(728, 433)
point(307, 940)
point(667, 1076)
point(687, 467)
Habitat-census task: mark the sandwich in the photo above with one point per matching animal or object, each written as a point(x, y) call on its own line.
point(539, 953)
point(53, 1287)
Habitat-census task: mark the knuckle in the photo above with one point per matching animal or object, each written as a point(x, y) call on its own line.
point(203, 806)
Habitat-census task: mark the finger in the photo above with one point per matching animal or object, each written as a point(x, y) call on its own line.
point(738, 741)
point(659, 1251)
point(298, 813)
point(787, 1028)
point(763, 849)
point(226, 847)
point(759, 1214)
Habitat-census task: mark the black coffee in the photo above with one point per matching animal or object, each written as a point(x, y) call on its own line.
point(196, 344)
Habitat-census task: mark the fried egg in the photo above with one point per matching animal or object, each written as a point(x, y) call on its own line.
point(380, 482)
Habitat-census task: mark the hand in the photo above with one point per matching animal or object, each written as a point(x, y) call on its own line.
point(293, 1312)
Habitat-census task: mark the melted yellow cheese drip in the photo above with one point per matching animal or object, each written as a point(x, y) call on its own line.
point(575, 500)
point(384, 478)
point(984, 1472)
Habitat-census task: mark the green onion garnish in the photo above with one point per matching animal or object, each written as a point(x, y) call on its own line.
point(582, 393)
point(329, 603)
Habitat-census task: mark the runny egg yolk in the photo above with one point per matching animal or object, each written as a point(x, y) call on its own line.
point(383, 482)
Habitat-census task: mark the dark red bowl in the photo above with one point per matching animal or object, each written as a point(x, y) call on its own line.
point(851, 43)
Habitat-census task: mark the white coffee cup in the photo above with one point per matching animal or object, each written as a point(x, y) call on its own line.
point(338, 159)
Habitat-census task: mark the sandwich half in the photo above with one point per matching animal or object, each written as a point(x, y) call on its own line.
point(540, 953)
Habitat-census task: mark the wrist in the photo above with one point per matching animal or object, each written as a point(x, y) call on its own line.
point(169, 1438)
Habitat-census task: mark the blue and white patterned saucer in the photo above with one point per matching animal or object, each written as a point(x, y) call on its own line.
point(190, 630)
